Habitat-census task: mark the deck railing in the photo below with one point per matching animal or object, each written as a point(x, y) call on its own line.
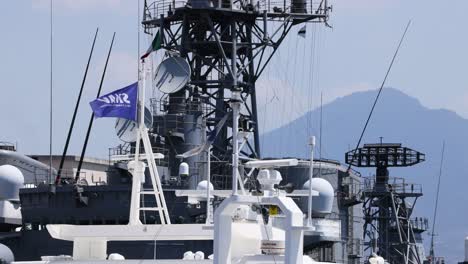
point(157, 8)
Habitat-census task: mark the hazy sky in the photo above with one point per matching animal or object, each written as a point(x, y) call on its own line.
point(352, 56)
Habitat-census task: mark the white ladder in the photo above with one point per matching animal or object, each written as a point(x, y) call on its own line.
point(157, 191)
point(138, 175)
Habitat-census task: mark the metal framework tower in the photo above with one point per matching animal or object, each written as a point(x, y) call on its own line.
point(228, 44)
point(389, 230)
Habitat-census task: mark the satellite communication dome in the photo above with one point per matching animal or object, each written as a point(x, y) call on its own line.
point(116, 256)
point(324, 201)
point(6, 255)
point(202, 186)
point(189, 255)
point(172, 75)
point(11, 180)
point(199, 255)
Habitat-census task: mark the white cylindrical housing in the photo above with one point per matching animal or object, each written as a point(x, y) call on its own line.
point(184, 169)
point(11, 180)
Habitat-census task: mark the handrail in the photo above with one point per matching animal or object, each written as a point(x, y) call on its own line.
point(398, 185)
point(167, 7)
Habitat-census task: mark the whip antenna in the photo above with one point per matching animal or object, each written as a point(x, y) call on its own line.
point(431, 251)
point(380, 91)
point(72, 124)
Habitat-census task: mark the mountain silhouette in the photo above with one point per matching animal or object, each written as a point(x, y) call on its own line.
point(398, 118)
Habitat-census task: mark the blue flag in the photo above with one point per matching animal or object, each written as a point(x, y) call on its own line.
point(120, 103)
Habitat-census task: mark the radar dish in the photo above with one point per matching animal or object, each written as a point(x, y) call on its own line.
point(127, 129)
point(172, 75)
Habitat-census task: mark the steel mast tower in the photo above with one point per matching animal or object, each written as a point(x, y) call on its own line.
point(228, 44)
point(389, 230)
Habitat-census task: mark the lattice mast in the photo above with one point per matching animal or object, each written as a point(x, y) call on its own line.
point(203, 32)
point(388, 229)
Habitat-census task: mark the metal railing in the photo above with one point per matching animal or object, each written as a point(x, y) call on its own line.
point(312, 7)
point(395, 184)
point(43, 177)
point(7, 146)
point(420, 223)
point(179, 105)
point(170, 118)
point(162, 7)
point(128, 150)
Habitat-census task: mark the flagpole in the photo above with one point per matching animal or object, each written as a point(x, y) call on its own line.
point(134, 218)
point(140, 107)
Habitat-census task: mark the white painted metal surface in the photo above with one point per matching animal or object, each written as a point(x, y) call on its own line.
point(132, 232)
point(267, 164)
point(11, 180)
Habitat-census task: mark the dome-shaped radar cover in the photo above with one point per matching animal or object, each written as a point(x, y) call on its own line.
point(172, 75)
point(323, 203)
point(11, 180)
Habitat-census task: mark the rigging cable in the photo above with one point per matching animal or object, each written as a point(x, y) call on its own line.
point(290, 107)
point(431, 252)
point(51, 93)
point(378, 94)
point(286, 82)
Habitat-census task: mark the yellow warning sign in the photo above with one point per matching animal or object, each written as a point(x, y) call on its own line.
point(274, 210)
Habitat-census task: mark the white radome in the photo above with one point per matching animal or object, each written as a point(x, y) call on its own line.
point(184, 169)
point(202, 186)
point(6, 255)
point(116, 256)
point(11, 180)
point(322, 203)
point(375, 259)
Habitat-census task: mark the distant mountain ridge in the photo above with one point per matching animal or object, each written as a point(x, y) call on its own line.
point(397, 118)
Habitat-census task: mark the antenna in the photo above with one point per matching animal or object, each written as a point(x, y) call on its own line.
point(321, 124)
point(127, 130)
point(51, 92)
point(172, 75)
point(85, 145)
point(72, 124)
point(431, 252)
point(380, 91)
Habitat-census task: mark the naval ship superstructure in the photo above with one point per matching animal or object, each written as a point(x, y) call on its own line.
point(226, 45)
